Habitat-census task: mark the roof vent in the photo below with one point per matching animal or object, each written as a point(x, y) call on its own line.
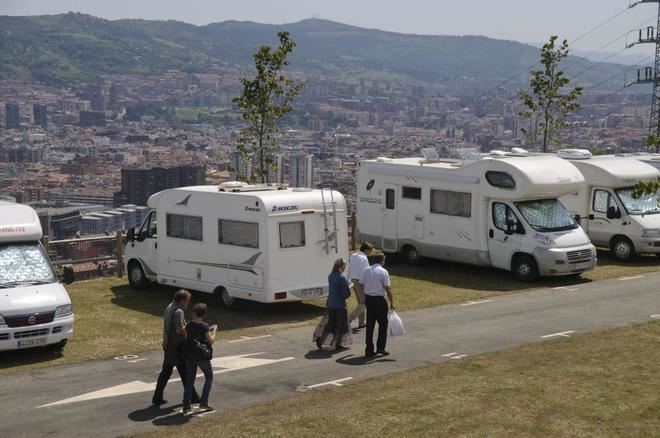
point(232, 185)
point(497, 153)
point(520, 151)
point(574, 154)
point(430, 154)
point(468, 154)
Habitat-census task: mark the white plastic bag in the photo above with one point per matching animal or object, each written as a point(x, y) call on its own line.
point(396, 325)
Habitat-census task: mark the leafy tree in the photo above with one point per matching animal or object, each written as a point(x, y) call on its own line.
point(650, 187)
point(265, 99)
point(653, 141)
point(546, 103)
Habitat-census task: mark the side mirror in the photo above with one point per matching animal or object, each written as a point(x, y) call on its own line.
point(519, 228)
point(613, 213)
point(142, 236)
point(510, 227)
point(68, 275)
point(578, 219)
point(130, 234)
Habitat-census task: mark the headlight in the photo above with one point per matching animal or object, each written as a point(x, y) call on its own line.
point(651, 233)
point(63, 310)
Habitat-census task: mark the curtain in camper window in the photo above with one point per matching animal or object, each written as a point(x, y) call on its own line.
point(238, 233)
point(451, 203)
point(292, 234)
point(184, 227)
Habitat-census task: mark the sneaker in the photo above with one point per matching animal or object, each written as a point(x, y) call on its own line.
point(194, 400)
point(319, 344)
point(369, 354)
point(158, 402)
point(206, 408)
point(187, 410)
point(383, 353)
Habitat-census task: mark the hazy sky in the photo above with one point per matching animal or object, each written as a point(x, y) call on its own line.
point(520, 20)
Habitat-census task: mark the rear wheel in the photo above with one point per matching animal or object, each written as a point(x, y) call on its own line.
point(524, 268)
point(223, 298)
point(136, 277)
point(623, 249)
point(412, 255)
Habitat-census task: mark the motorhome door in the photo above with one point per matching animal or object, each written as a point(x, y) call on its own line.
point(389, 242)
point(146, 244)
point(503, 234)
point(601, 228)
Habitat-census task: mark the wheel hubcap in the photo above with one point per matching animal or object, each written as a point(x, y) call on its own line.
point(136, 275)
point(226, 298)
point(524, 270)
point(622, 250)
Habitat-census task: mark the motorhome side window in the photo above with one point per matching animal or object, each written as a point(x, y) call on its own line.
point(602, 200)
point(411, 192)
point(500, 179)
point(292, 234)
point(503, 217)
point(184, 227)
point(389, 199)
point(238, 233)
point(451, 203)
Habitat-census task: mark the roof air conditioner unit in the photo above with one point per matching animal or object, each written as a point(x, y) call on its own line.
point(574, 154)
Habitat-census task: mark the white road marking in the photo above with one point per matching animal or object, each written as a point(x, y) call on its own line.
point(655, 316)
point(562, 334)
point(137, 360)
point(449, 354)
point(247, 338)
point(332, 382)
point(472, 303)
point(460, 356)
point(127, 357)
point(631, 278)
point(568, 289)
point(226, 364)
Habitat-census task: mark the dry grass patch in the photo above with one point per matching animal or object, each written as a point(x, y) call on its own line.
point(600, 385)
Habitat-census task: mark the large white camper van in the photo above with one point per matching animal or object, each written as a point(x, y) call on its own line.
point(35, 310)
point(254, 242)
point(500, 210)
point(608, 212)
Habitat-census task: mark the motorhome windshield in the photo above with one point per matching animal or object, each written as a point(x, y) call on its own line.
point(645, 204)
point(546, 215)
point(24, 264)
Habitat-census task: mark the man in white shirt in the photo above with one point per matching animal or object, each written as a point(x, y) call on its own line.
point(357, 263)
point(375, 282)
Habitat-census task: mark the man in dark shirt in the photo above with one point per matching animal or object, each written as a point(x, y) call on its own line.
point(174, 335)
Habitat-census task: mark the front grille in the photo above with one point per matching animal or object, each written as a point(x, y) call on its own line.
point(31, 333)
point(22, 320)
point(57, 329)
point(4, 336)
point(583, 255)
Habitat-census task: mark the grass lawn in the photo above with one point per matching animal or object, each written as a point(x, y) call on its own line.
point(112, 319)
point(600, 385)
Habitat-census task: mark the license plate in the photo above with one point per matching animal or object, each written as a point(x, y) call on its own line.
point(310, 293)
point(581, 266)
point(25, 343)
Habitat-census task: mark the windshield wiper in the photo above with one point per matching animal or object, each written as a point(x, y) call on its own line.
point(9, 284)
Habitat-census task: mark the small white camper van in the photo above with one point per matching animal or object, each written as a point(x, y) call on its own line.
point(253, 242)
point(607, 210)
point(499, 210)
point(35, 309)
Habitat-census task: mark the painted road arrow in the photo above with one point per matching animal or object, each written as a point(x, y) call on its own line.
point(225, 364)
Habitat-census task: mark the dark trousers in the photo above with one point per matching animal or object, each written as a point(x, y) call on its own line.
point(205, 366)
point(173, 358)
point(376, 311)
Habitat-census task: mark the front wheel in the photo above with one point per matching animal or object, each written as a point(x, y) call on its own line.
point(525, 269)
point(136, 277)
point(623, 249)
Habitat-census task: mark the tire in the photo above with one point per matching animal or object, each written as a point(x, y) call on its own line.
point(524, 268)
point(623, 249)
point(412, 255)
point(225, 300)
point(136, 277)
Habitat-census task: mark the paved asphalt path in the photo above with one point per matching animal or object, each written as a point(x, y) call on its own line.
point(112, 397)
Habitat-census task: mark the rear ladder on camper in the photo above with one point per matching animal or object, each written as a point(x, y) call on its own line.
point(329, 209)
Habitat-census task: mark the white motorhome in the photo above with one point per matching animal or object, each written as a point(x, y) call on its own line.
point(607, 210)
point(500, 210)
point(35, 309)
point(253, 242)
